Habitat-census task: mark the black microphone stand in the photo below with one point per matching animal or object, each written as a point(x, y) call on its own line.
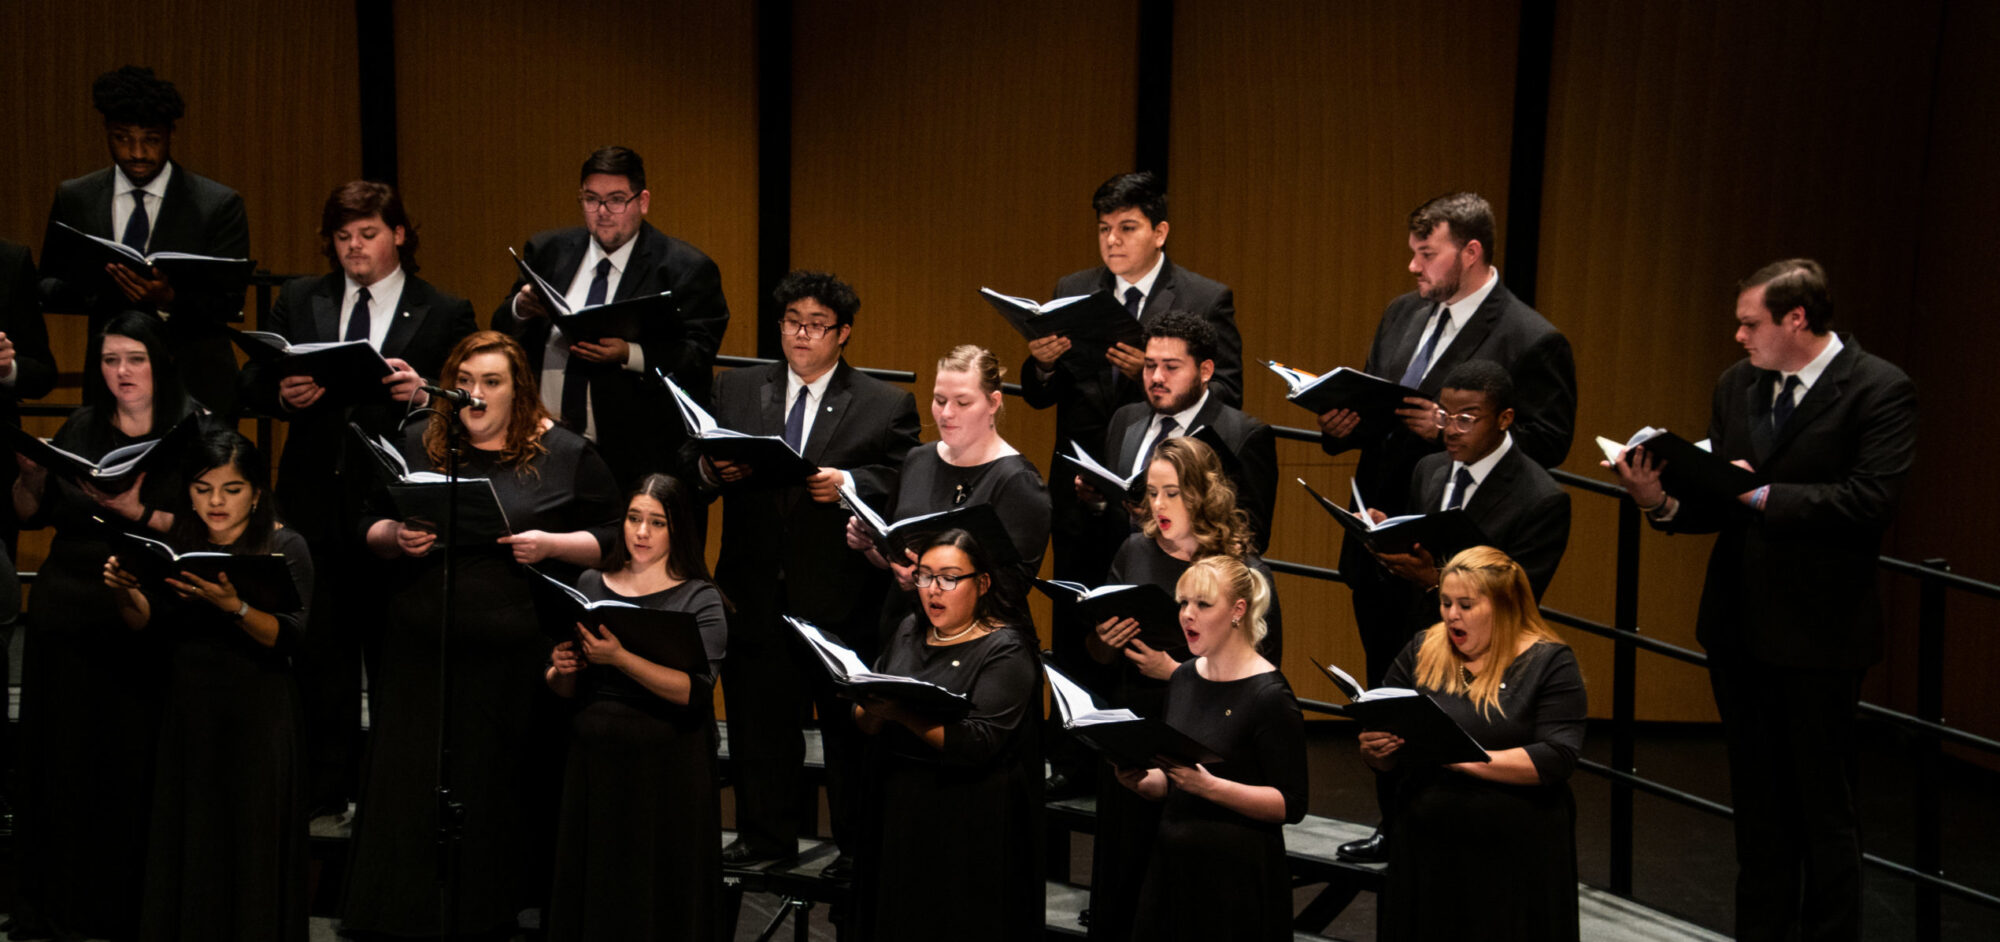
point(450, 811)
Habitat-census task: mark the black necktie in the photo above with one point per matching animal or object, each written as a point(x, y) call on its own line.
point(1133, 298)
point(1459, 485)
point(795, 421)
point(138, 227)
point(1781, 410)
point(358, 318)
point(1167, 426)
point(1413, 375)
point(600, 284)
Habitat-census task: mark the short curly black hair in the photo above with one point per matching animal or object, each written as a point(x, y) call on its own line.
point(836, 295)
point(133, 95)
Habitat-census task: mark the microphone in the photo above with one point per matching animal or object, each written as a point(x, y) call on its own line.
point(458, 397)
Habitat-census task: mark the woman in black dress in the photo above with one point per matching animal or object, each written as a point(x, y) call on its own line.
point(969, 464)
point(1191, 515)
point(90, 689)
point(227, 854)
point(1218, 867)
point(562, 505)
point(1486, 849)
point(961, 800)
point(638, 854)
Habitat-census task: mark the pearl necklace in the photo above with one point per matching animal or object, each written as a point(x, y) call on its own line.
point(948, 639)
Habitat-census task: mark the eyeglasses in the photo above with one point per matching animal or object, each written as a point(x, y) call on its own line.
point(788, 326)
point(924, 580)
point(1462, 422)
point(616, 204)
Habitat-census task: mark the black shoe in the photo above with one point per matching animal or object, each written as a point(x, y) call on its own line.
point(1371, 849)
point(1060, 786)
point(842, 869)
point(740, 854)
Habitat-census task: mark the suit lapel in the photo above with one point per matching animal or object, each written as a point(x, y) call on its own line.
point(1489, 493)
point(1162, 299)
point(570, 252)
point(832, 409)
point(175, 228)
point(1757, 405)
point(1467, 340)
point(326, 308)
point(644, 246)
point(407, 316)
point(1412, 338)
point(1821, 397)
point(97, 208)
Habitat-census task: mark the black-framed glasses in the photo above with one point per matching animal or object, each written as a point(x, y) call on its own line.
point(787, 327)
point(616, 204)
point(924, 580)
point(1461, 422)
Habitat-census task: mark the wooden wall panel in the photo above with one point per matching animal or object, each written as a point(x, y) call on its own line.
point(268, 112)
point(941, 148)
point(1303, 135)
point(498, 104)
point(1688, 145)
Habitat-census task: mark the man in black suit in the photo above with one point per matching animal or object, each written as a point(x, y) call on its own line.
point(601, 387)
point(153, 204)
point(1086, 386)
point(1459, 312)
point(1521, 509)
point(374, 295)
point(1182, 399)
point(784, 552)
point(1789, 614)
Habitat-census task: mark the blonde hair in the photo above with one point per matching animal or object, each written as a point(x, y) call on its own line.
point(1504, 584)
point(1228, 577)
point(982, 364)
point(1220, 527)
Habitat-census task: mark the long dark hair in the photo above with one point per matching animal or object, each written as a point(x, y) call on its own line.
point(685, 558)
point(988, 609)
point(221, 448)
point(170, 398)
point(524, 427)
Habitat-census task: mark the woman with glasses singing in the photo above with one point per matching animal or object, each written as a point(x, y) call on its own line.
point(970, 464)
point(960, 799)
point(1191, 514)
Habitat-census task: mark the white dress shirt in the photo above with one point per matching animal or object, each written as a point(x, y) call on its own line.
point(122, 203)
point(1458, 312)
point(1182, 420)
point(1480, 469)
point(555, 356)
point(384, 296)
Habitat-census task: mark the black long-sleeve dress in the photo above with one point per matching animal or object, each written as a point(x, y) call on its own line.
point(1214, 873)
point(1009, 484)
point(227, 855)
point(91, 692)
point(637, 848)
point(1126, 823)
point(960, 853)
point(505, 732)
point(1519, 839)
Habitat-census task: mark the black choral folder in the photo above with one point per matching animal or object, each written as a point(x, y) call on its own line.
point(1430, 736)
point(669, 639)
point(853, 680)
point(259, 579)
point(1124, 738)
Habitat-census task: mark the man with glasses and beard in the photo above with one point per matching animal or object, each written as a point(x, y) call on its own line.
point(599, 387)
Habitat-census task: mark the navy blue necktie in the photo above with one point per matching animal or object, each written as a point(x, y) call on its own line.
point(138, 227)
point(358, 319)
point(1781, 410)
point(1459, 485)
point(795, 421)
point(1167, 426)
point(1133, 299)
point(600, 284)
point(1413, 375)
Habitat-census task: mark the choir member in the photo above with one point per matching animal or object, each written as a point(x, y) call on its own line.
point(562, 506)
point(1485, 849)
point(970, 464)
point(1218, 867)
point(1191, 515)
point(91, 689)
point(637, 855)
point(226, 859)
point(959, 801)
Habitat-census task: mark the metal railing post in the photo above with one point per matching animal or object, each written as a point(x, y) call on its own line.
point(1928, 808)
point(1624, 694)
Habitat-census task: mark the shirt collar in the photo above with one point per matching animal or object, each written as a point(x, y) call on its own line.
point(1184, 419)
point(386, 292)
point(818, 386)
point(1465, 307)
point(1145, 282)
point(1484, 466)
point(618, 258)
point(156, 187)
point(1809, 374)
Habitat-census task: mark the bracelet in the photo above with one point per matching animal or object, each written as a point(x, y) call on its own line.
point(242, 610)
point(1656, 508)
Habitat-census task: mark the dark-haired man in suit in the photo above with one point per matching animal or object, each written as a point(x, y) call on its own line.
point(150, 202)
point(1789, 612)
point(1086, 387)
point(784, 552)
point(601, 387)
point(374, 295)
